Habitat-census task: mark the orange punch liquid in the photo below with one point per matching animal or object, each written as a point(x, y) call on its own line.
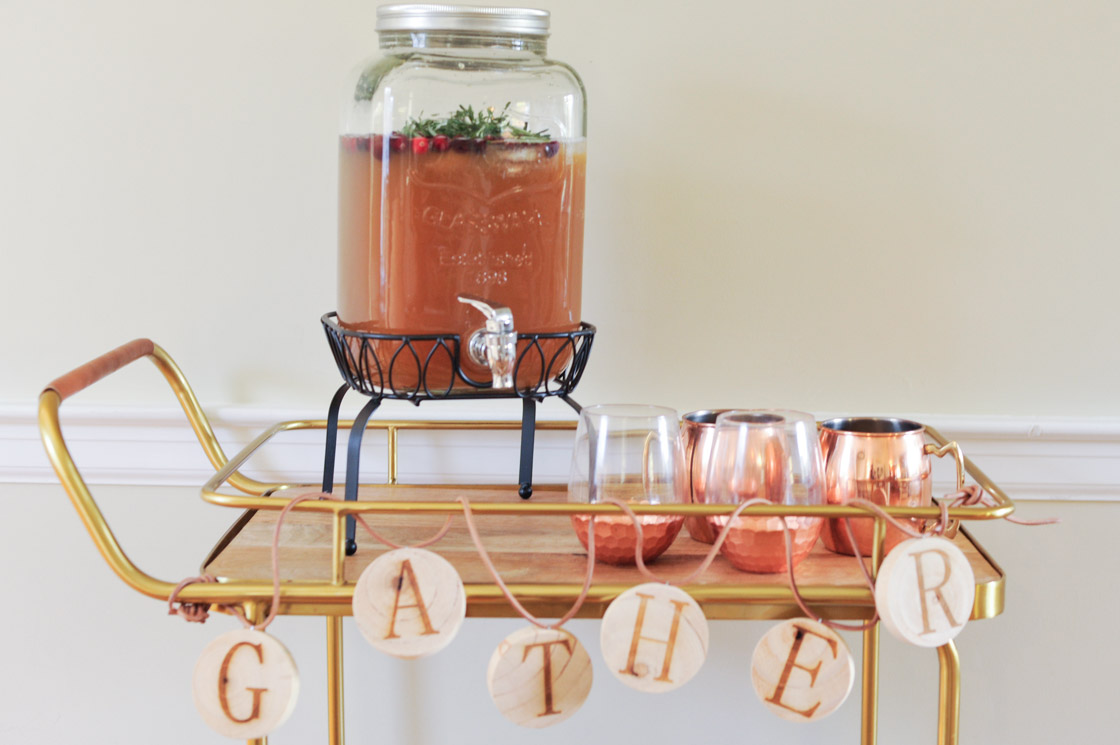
point(423, 220)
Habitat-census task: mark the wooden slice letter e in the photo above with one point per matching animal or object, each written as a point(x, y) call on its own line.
point(802, 670)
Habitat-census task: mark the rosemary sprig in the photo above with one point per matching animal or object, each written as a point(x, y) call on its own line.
point(476, 125)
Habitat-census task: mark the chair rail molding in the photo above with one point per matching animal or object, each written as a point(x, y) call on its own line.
point(1030, 458)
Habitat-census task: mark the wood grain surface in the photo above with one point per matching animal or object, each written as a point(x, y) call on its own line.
point(802, 670)
point(525, 549)
point(924, 591)
point(539, 677)
point(654, 637)
point(245, 684)
point(409, 603)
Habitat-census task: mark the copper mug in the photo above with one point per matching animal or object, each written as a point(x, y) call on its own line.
point(885, 461)
point(698, 429)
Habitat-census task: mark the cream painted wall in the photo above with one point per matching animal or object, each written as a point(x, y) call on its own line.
point(859, 206)
point(85, 656)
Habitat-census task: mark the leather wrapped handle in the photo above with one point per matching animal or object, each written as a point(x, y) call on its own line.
point(94, 370)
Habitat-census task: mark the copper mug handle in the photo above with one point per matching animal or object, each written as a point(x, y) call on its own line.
point(958, 456)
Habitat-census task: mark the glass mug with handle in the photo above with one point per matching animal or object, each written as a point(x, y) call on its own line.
point(632, 453)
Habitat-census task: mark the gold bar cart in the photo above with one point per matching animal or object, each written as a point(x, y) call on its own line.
point(537, 552)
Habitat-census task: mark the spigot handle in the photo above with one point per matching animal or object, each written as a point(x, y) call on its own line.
point(494, 347)
point(499, 320)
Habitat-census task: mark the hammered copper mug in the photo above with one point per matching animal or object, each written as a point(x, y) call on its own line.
point(772, 455)
point(697, 429)
point(884, 461)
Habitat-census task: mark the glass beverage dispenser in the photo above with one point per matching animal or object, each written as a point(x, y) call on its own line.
point(461, 190)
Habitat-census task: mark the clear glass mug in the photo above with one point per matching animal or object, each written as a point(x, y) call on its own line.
point(773, 455)
point(631, 453)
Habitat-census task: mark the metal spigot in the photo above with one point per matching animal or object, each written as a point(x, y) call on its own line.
point(494, 346)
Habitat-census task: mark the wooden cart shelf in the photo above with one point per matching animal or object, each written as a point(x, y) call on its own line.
point(540, 558)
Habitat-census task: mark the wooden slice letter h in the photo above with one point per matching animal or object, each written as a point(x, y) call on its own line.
point(654, 637)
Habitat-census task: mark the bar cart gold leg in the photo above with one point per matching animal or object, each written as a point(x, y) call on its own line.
point(949, 695)
point(335, 720)
point(254, 614)
point(869, 734)
point(870, 720)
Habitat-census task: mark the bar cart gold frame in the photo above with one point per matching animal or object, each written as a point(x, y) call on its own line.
point(332, 599)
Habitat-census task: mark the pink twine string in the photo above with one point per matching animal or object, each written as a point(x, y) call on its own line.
point(485, 556)
point(969, 496)
point(275, 606)
point(377, 536)
point(191, 612)
point(973, 495)
point(199, 612)
point(711, 555)
point(638, 544)
point(805, 606)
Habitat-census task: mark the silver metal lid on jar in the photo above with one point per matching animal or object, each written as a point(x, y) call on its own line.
point(462, 18)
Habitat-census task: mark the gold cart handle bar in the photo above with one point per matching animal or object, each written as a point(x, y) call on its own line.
point(50, 400)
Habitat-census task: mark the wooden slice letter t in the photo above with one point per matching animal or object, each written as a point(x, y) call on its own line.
point(538, 677)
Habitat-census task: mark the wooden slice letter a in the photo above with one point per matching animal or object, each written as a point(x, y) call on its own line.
point(245, 684)
point(925, 590)
point(409, 603)
point(802, 670)
point(654, 637)
point(538, 677)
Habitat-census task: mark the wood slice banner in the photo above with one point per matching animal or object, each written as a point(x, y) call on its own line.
point(924, 591)
point(538, 677)
point(654, 637)
point(245, 684)
point(409, 603)
point(802, 670)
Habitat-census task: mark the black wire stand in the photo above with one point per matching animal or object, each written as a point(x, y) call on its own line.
point(425, 367)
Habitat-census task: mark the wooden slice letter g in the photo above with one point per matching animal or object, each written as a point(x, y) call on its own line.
point(223, 680)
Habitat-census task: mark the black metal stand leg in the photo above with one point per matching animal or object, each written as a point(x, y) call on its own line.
point(332, 439)
point(571, 402)
point(528, 436)
point(353, 455)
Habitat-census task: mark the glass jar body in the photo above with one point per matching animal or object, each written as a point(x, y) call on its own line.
point(425, 218)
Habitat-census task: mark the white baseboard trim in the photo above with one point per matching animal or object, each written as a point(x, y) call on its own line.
point(1030, 458)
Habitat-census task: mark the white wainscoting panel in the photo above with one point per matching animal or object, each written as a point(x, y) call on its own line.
point(1030, 458)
